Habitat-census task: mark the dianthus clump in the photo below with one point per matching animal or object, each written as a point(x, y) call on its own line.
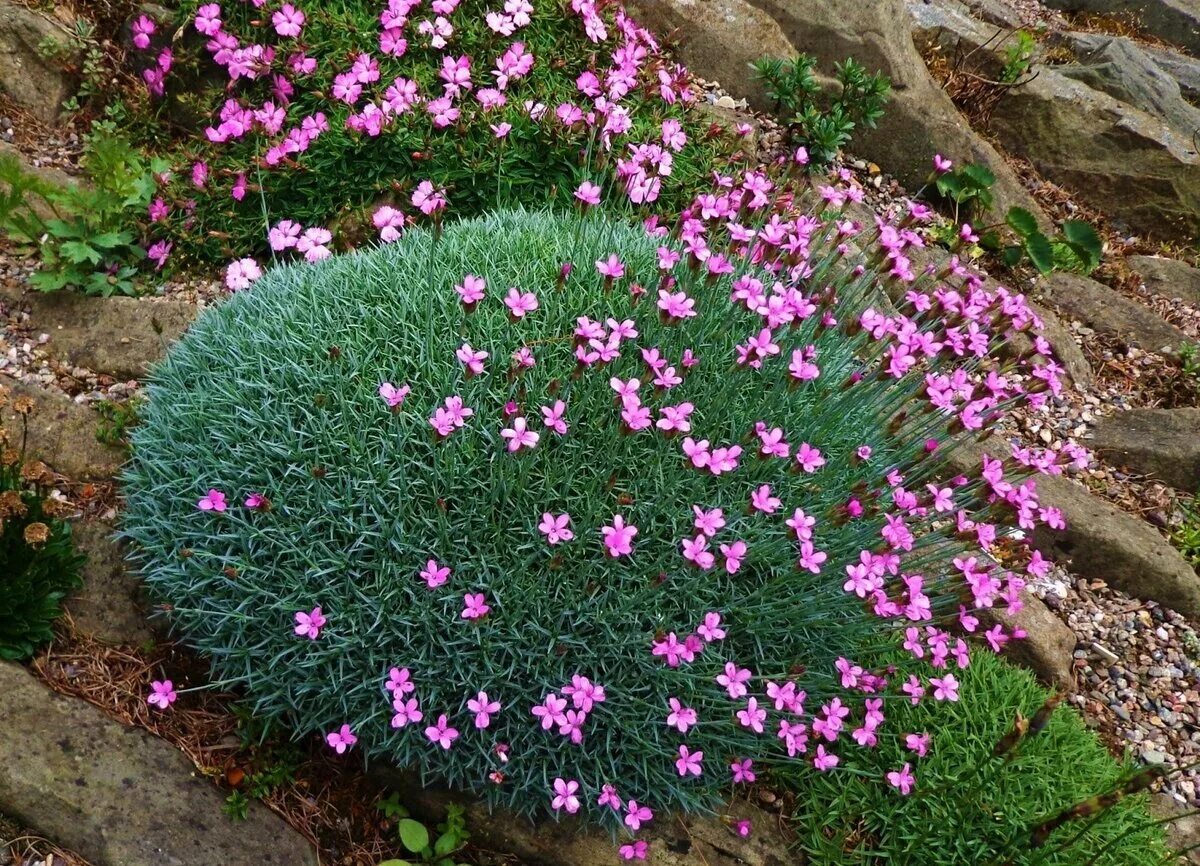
point(589, 518)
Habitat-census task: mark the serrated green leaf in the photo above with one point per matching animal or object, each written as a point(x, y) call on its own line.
point(1021, 221)
point(980, 175)
point(413, 835)
point(1012, 255)
point(108, 240)
point(1085, 241)
point(1040, 251)
point(78, 252)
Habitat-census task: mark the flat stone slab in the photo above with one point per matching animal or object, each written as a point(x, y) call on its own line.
point(1168, 277)
point(119, 796)
point(1107, 312)
point(108, 607)
point(116, 336)
point(1164, 443)
point(62, 433)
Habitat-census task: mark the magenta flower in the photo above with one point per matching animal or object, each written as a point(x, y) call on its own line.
point(309, 624)
point(214, 500)
point(475, 606)
point(944, 688)
point(695, 551)
point(608, 798)
point(752, 716)
point(471, 358)
point(588, 193)
point(940, 164)
point(208, 19)
point(255, 501)
point(708, 522)
point(918, 743)
point(681, 718)
point(689, 762)
point(809, 458)
point(500, 130)
point(902, 779)
point(341, 739)
point(612, 267)
point(824, 760)
point(392, 395)
point(407, 711)
point(442, 733)
point(734, 554)
point(519, 435)
point(288, 20)
point(635, 850)
point(556, 528)
point(552, 417)
point(162, 694)
point(565, 796)
point(762, 500)
point(743, 772)
point(711, 629)
point(742, 827)
point(519, 303)
point(471, 290)
point(399, 682)
point(550, 711)
point(434, 575)
point(618, 537)
point(636, 815)
point(734, 680)
point(483, 708)
point(142, 28)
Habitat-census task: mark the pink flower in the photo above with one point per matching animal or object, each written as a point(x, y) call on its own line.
point(519, 435)
point(636, 815)
point(742, 827)
point(689, 762)
point(708, 522)
point(944, 688)
point(392, 395)
point(214, 500)
point(902, 779)
point(752, 716)
point(940, 164)
point(809, 458)
point(556, 528)
point(399, 682)
point(762, 500)
point(743, 773)
point(519, 303)
point(550, 711)
point(471, 290)
point(208, 19)
point(566, 796)
point(918, 743)
point(428, 199)
point(618, 537)
point(635, 850)
point(390, 223)
point(288, 20)
point(588, 193)
point(552, 417)
point(612, 267)
point(442, 733)
point(255, 501)
point(341, 739)
point(734, 554)
point(142, 29)
point(435, 575)
point(407, 711)
point(608, 798)
point(824, 760)
point(309, 624)
point(475, 606)
point(500, 130)
point(471, 358)
point(711, 629)
point(240, 274)
point(681, 718)
point(483, 708)
point(734, 680)
point(162, 694)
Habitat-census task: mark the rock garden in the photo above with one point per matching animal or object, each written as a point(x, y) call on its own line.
point(517, 432)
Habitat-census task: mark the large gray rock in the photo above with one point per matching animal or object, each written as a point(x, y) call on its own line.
point(919, 120)
point(1110, 313)
point(1066, 350)
point(116, 335)
point(1168, 277)
point(678, 840)
point(1176, 21)
point(119, 796)
point(62, 433)
point(1103, 542)
point(1164, 443)
point(1111, 155)
point(1122, 69)
point(108, 607)
point(34, 82)
point(1048, 646)
point(1183, 69)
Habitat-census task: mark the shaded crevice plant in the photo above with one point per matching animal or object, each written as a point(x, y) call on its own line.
point(589, 519)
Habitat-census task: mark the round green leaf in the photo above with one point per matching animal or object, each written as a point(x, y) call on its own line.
point(1022, 221)
point(413, 835)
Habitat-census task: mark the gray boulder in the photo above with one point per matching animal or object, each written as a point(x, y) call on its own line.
point(1164, 443)
point(1168, 277)
point(120, 796)
point(1111, 155)
point(1107, 312)
point(34, 82)
point(1183, 69)
point(1176, 21)
point(108, 607)
point(62, 433)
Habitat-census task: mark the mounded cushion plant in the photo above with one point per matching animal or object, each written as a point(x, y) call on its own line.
point(665, 508)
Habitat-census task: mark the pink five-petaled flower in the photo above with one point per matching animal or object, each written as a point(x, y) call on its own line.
point(483, 708)
point(752, 716)
point(734, 554)
point(612, 267)
point(711, 629)
point(392, 395)
point(809, 458)
point(824, 760)
point(240, 274)
point(256, 501)
point(162, 694)
point(519, 303)
point(550, 711)
point(442, 733)
point(636, 815)
point(902, 779)
point(635, 850)
point(519, 435)
point(341, 739)
point(471, 289)
point(288, 20)
point(944, 688)
point(734, 680)
point(708, 522)
point(142, 29)
point(588, 193)
point(435, 575)
point(689, 762)
point(475, 606)
point(763, 500)
point(309, 624)
point(471, 358)
point(743, 772)
point(214, 500)
point(566, 796)
point(681, 718)
point(618, 537)
point(695, 551)
point(940, 164)
point(552, 417)
point(608, 797)
point(428, 199)
point(407, 710)
point(556, 528)
point(399, 682)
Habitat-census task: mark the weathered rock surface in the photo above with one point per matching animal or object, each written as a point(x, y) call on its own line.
point(32, 81)
point(1103, 542)
point(1047, 646)
point(116, 336)
point(1164, 443)
point(1107, 312)
point(1168, 277)
point(683, 840)
point(62, 433)
point(1176, 21)
point(108, 606)
point(1066, 350)
point(1183, 69)
point(1111, 155)
point(119, 796)
point(724, 36)
point(1183, 831)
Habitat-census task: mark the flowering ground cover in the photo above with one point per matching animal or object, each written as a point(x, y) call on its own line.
point(583, 519)
point(324, 115)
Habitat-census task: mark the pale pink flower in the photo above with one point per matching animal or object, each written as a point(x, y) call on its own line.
point(310, 623)
point(162, 694)
point(519, 435)
point(214, 500)
point(435, 575)
point(475, 606)
point(341, 739)
point(556, 528)
point(588, 193)
point(471, 289)
point(240, 274)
